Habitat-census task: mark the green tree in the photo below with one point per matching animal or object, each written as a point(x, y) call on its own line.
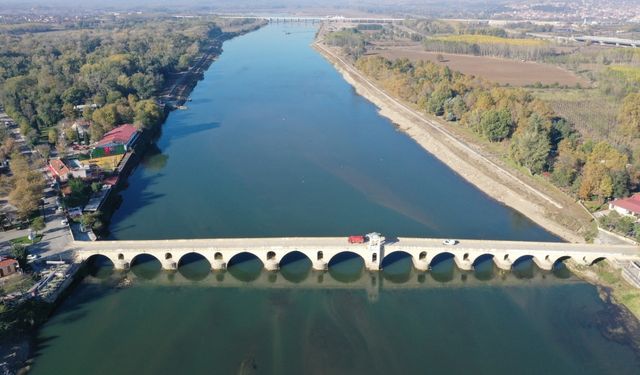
point(52, 136)
point(530, 148)
point(20, 253)
point(436, 103)
point(148, 114)
point(37, 224)
point(496, 125)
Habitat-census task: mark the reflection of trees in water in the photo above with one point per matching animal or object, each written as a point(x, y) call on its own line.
point(154, 159)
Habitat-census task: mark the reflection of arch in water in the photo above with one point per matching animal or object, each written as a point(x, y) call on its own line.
point(484, 267)
point(441, 258)
point(245, 266)
point(523, 267)
point(100, 266)
point(295, 266)
point(395, 257)
point(194, 266)
point(346, 266)
point(143, 258)
point(442, 267)
point(146, 266)
point(344, 256)
point(397, 266)
point(99, 260)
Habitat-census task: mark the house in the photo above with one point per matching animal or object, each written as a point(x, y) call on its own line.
point(81, 126)
point(8, 266)
point(124, 135)
point(59, 170)
point(627, 206)
point(74, 168)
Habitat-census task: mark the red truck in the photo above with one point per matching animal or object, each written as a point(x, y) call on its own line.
point(356, 239)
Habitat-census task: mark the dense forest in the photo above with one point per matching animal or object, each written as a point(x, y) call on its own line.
point(117, 70)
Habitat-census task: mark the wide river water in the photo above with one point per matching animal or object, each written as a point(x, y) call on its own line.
point(276, 143)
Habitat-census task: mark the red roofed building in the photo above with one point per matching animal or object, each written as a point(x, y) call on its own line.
point(8, 266)
point(126, 135)
point(59, 170)
point(627, 206)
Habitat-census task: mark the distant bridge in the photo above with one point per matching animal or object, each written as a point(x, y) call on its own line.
point(602, 40)
point(318, 19)
point(320, 251)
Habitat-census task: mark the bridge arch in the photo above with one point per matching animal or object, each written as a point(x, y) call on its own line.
point(344, 256)
point(346, 266)
point(394, 257)
point(245, 266)
point(484, 267)
point(560, 260)
point(146, 266)
point(242, 257)
point(100, 266)
point(482, 258)
point(521, 259)
point(295, 266)
point(141, 258)
point(397, 266)
point(440, 258)
point(194, 266)
point(100, 260)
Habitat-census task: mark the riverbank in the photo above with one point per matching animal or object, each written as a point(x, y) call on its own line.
point(545, 205)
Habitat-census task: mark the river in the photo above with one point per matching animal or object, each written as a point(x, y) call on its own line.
point(276, 143)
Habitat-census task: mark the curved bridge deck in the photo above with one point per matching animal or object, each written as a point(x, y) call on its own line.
point(320, 250)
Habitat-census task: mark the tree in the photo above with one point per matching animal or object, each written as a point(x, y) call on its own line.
point(106, 117)
point(37, 224)
point(148, 114)
point(530, 148)
point(603, 161)
point(496, 125)
point(629, 115)
point(20, 252)
point(28, 186)
point(44, 150)
point(439, 97)
point(52, 135)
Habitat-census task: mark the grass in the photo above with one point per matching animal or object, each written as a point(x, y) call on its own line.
point(17, 283)
point(24, 240)
point(625, 72)
point(490, 39)
point(593, 113)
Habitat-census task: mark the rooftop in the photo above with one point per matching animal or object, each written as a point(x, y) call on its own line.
point(631, 204)
point(58, 167)
point(7, 262)
point(122, 134)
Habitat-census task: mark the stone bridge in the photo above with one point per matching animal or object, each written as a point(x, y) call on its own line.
point(321, 250)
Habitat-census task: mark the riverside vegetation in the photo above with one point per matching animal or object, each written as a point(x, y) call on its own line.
point(527, 129)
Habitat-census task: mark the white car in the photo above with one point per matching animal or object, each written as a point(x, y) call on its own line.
point(64, 222)
point(450, 242)
point(31, 257)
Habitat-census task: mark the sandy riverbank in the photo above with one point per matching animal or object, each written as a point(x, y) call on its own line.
point(552, 210)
